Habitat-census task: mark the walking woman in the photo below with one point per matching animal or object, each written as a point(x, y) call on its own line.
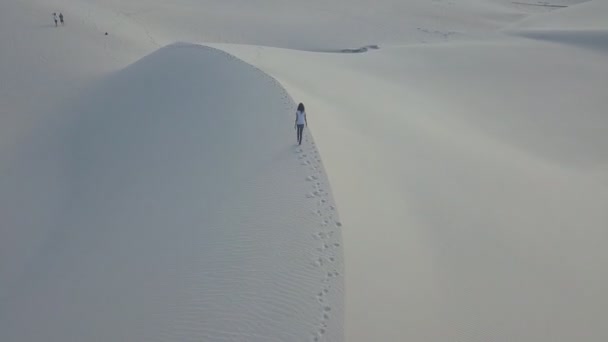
point(300, 122)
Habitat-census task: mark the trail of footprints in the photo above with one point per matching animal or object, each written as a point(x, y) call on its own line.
point(328, 245)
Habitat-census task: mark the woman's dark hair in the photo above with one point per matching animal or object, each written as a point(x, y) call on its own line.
point(301, 107)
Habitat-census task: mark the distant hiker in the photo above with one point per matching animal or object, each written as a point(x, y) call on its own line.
point(300, 122)
point(61, 18)
point(55, 18)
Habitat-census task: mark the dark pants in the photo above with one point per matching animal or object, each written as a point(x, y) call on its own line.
point(300, 130)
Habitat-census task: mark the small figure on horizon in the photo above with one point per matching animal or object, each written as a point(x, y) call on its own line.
point(300, 122)
point(61, 18)
point(55, 18)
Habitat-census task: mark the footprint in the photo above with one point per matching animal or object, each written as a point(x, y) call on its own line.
point(336, 244)
point(310, 195)
point(338, 223)
point(327, 309)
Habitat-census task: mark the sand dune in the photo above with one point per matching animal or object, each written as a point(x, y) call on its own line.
point(182, 212)
point(152, 191)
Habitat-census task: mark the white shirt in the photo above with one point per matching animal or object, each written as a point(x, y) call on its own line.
point(300, 118)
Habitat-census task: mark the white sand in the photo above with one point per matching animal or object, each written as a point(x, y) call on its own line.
point(177, 215)
point(467, 156)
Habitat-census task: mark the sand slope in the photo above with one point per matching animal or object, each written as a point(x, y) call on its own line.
point(185, 212)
